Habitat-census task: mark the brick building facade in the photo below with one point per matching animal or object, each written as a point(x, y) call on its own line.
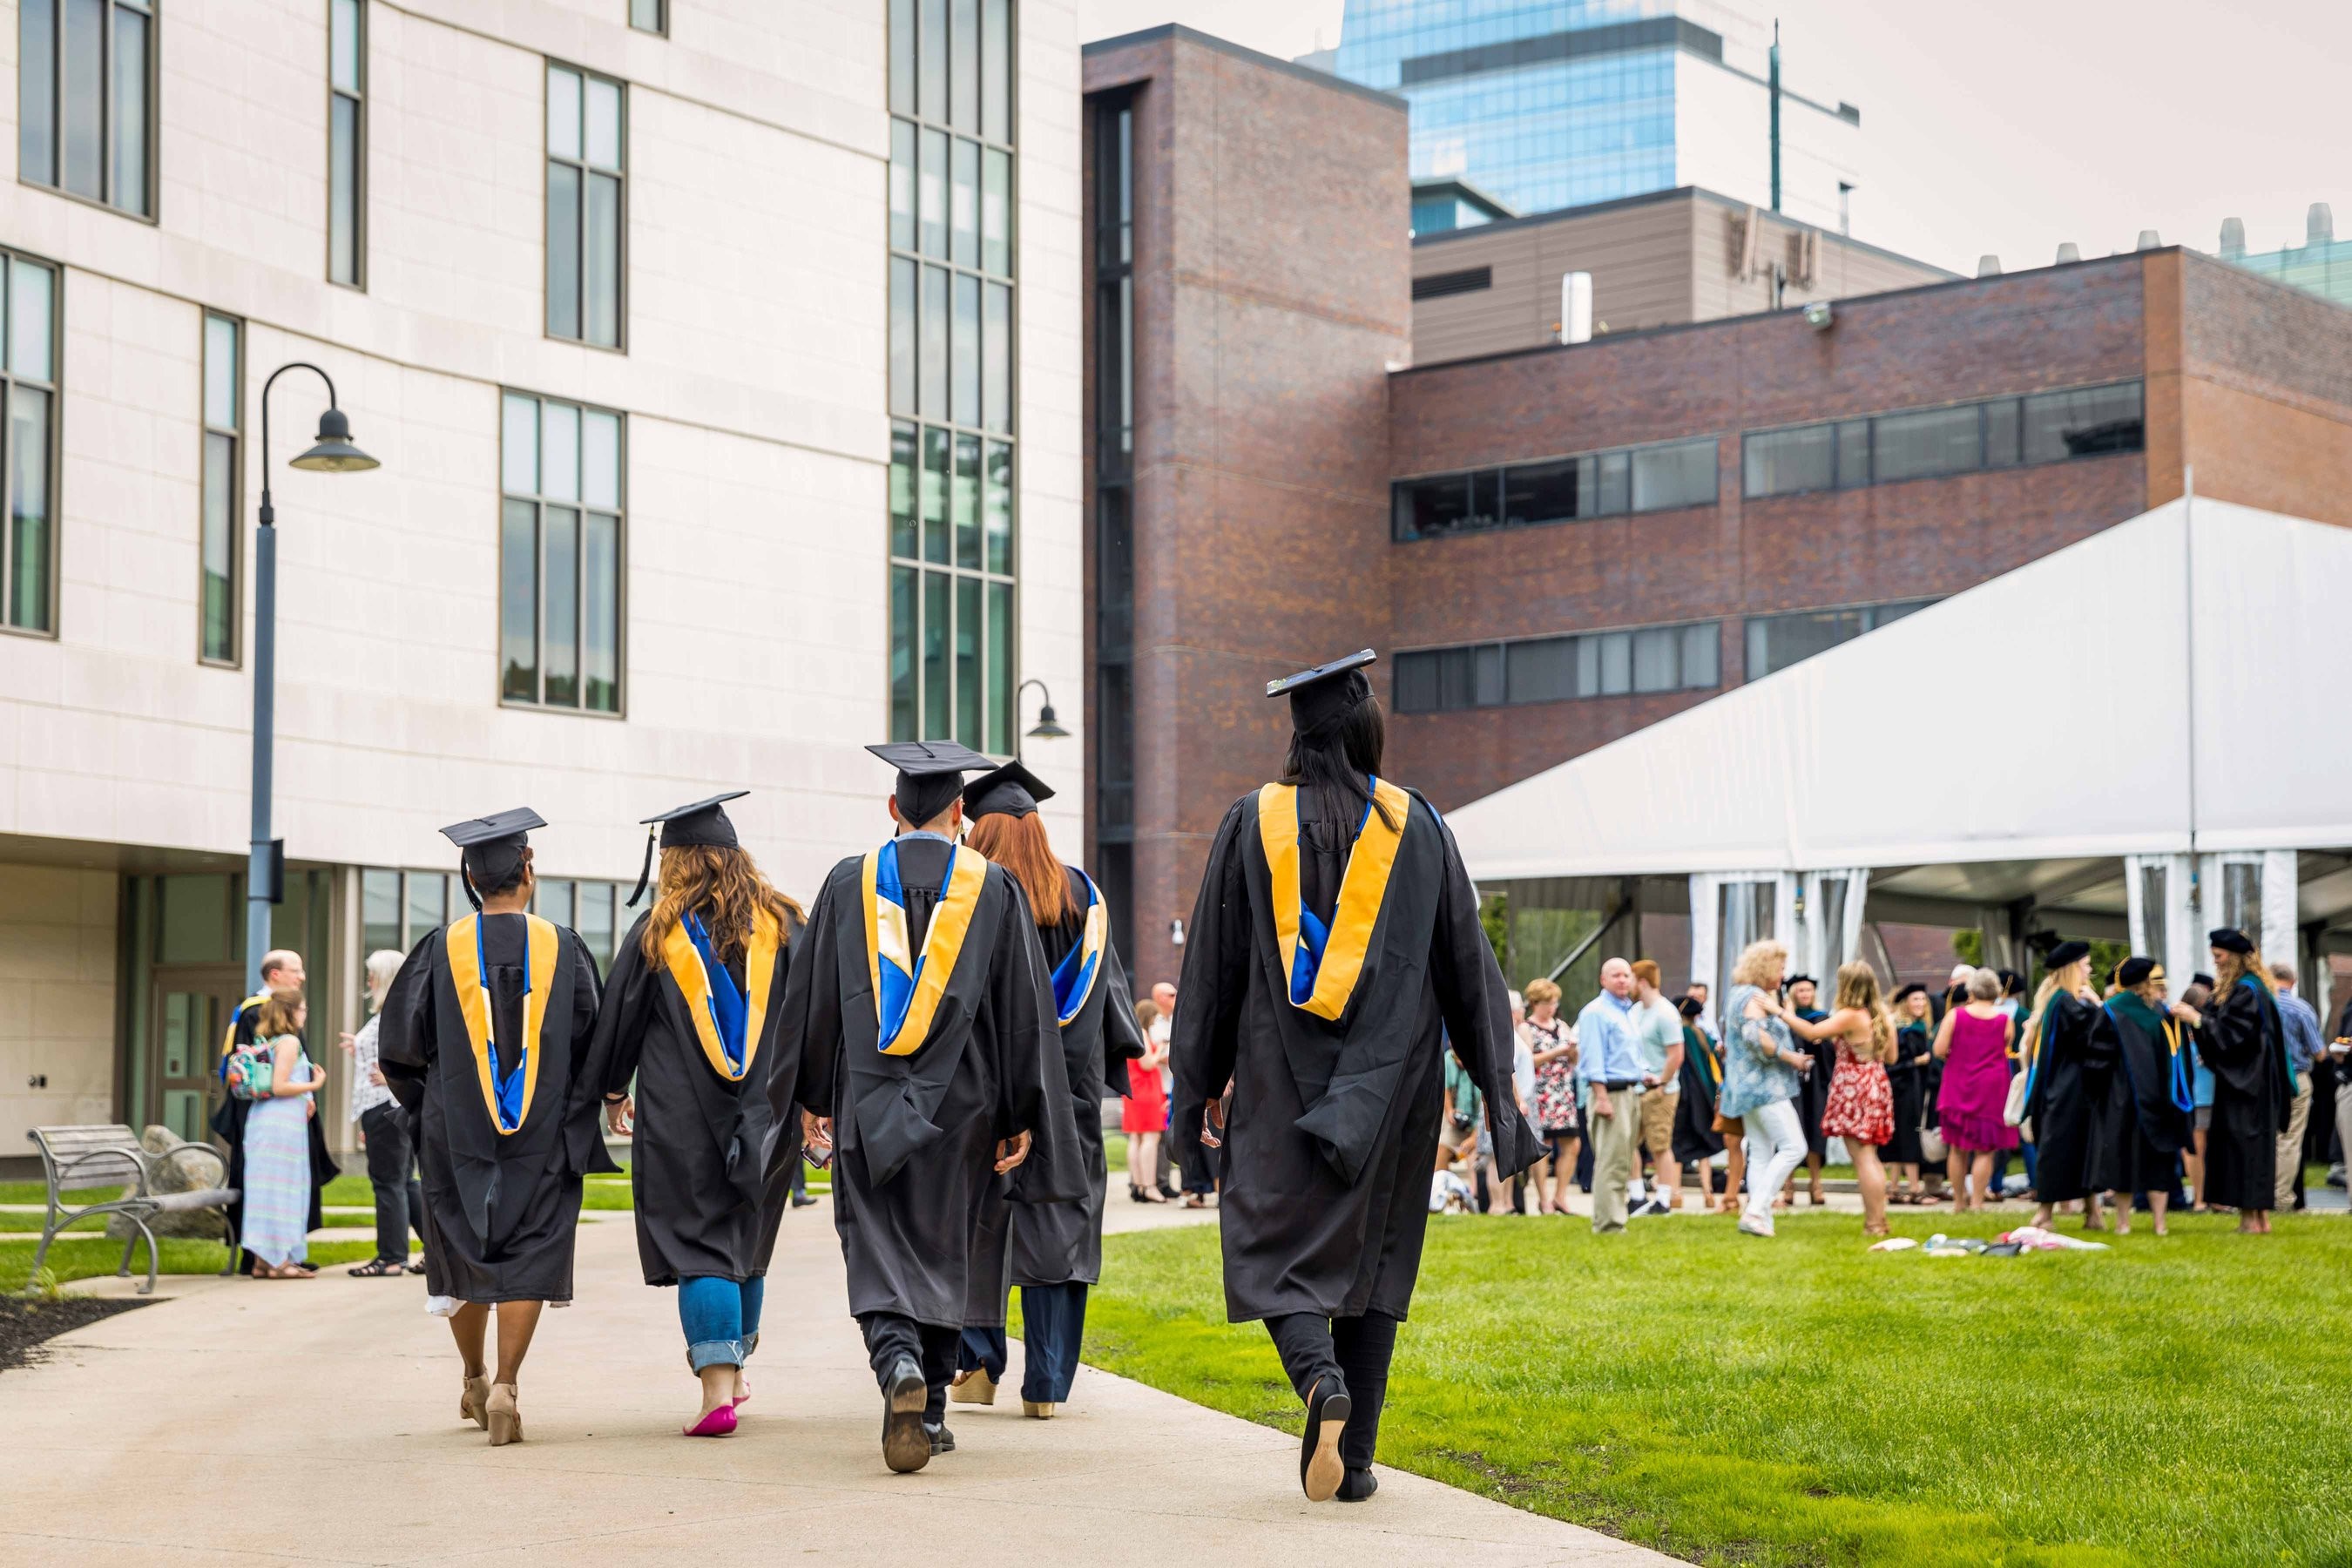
point(1531, 538)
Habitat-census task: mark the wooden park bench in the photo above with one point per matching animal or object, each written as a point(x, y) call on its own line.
point(75, 1158)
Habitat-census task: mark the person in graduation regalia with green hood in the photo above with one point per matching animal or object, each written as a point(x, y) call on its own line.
point(931, 1064)
point(2152, 1107)
point(2240, 1038)
point(2070, 1064)
point(1053, 1251)
point(1335, 954)
point(690, 1019)
point(483, 1036)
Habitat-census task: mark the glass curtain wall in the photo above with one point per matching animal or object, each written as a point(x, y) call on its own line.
point(1114, 326)
point(28, 388)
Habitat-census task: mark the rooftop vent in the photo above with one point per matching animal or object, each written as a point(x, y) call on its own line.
point(2234, 239)
point(2069, 251)
point(2319, 227)
point(1988, 265)
point(2149, 240)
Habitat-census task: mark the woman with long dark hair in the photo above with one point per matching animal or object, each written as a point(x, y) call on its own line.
point(1053, 1251)
point(690, 1016)
point(1335, 953)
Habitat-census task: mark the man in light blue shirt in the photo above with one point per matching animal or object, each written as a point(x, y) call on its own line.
point(1609, 1063)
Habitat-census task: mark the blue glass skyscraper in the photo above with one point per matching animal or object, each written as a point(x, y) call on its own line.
point(1546, 104)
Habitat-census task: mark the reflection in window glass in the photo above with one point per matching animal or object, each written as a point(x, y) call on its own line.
point(1553, 670)
point(1927, 443)
point(586, 138)
point(1598, 484)
point(561, 556)
point(85, 98)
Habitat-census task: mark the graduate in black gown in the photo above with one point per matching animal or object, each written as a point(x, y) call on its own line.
point(482, 1039)
point(1334, 948)
point(2071, 1065)
point(281, 970)
point(2239, 1039)
point(690, 1019)
point(931, 1062)
point(1812, 1090)
point(2150, 1092)
point(1696, 1141)
point(1053, 1251)
point(1909, 1076)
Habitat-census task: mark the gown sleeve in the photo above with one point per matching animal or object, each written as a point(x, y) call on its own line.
point(583, 1130)
point(812, 1014)
point(405, 1043)
point(1122, 1036)
point(1476, 1007)
point(2232, 1034)
point(630, 992)
point(1204, 1037)
point(1036, 1083)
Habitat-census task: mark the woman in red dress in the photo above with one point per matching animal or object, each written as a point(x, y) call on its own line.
point(1861, 1105)
point(1143, 1115)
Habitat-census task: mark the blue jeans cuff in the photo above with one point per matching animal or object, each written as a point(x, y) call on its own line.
point(715, 1352)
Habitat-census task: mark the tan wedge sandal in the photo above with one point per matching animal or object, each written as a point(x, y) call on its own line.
point(505, 1421)
point(473, 1401)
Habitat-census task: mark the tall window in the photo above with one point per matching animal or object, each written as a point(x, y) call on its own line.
point(560, 555)
point(587, 137)
point(29, 385)
point(86, 99)
point(223, 470)
point(347, 142)
point(953, 652)
point(649, 15)
point(1114, 326)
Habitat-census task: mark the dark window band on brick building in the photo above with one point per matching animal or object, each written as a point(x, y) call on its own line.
point(1958, 438)
point(1776, 642)
point(1469, 280)
point(1554, 670)
point(1564, 489)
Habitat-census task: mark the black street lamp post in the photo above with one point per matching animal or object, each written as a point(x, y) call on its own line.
point(1047, 728)
point(333, 453)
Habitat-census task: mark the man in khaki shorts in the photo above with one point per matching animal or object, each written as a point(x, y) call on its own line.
point(1658, 1035)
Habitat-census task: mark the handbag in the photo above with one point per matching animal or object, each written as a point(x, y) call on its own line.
point(2012, 1111)
point(1931, 1144)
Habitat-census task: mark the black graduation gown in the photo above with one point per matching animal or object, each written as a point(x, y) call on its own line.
point(1906, 1074)
point(915, 1136)
point(1813, 1090)
point(1050, 1243)
point(1695, 1137)
point(783, 1143)
point(1334, 1123)
point(698, 1155)
point(2069, 1100)
point(2254, 1101)
point(2147, 1131)
point(501, 1211)
point(228, 1124)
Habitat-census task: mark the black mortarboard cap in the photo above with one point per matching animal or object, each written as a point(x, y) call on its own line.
point(1690, 1006)
point(1913, 989)
point(1008, 791)
point(2201, 978)
point(2064, 954)
point(493, 847)
point(1326, 694)
point(930, 775)
point(1796, 980)
point(703, 823)
point(2136, 971)
point(2229, 939)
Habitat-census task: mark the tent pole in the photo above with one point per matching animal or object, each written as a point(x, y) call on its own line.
point(2189, 640)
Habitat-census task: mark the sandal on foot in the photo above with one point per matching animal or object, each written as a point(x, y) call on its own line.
point(378, 1268)
point(473, 1401)
point(505, 1421)
point(717, 1422)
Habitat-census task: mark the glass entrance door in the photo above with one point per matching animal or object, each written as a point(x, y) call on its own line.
point(192, 1006)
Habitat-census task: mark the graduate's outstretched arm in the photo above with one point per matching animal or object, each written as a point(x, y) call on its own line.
point(403, 1034)
point(1205, 1035)
point(622, 1016)
point(582, 1124)
point(1475, 1003)
point(1041, 1133)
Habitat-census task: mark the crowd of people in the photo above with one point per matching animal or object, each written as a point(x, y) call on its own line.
point(2116, 1097)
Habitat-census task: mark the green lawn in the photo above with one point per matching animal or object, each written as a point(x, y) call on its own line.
point(1804, 1401)
point(84, 1259)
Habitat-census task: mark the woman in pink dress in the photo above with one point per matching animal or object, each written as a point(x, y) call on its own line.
point(1861, 1104)
point(1973, 1042)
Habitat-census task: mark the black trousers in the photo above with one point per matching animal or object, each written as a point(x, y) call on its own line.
point(1053, 1325)
point(889, 1335)
point(1359, 1350)
point(391, 1171)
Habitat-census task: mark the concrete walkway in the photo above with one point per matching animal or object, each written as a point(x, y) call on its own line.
point(243, 1421)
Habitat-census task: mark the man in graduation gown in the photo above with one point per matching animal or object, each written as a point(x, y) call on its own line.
point(1052, 1250)
point(1334, 950)
point(2239, 1039)
point(930, 1061)
point(2072, 1065)
point(281, 970)
point(696, 1032)
point(482, 1037)
point(2149, 1093)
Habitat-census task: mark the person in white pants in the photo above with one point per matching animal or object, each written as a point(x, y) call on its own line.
point(1762, 1073)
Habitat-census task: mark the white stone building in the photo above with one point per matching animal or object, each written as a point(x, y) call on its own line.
point(608, 285)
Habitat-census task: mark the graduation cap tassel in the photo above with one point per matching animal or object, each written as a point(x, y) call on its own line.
point(644, 872)
point(466, 876)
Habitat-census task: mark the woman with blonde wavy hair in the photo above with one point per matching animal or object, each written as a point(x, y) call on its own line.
point(2072, 1072)
point(1762, 1072)
point(1861, 1105)
point(2239, 1036)
point(688, 1057)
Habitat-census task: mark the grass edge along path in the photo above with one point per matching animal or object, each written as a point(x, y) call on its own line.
point(182, 1254)
point(1805, 1402)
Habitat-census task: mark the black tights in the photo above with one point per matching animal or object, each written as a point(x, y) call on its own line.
point(1357, 1348)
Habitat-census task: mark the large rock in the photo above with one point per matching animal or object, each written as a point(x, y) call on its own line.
point(171, 1172)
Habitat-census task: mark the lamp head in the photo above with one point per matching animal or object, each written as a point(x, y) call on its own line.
point(1047, 727)
point(334, 453)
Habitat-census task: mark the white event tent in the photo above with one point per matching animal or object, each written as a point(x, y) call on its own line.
point(2128, 737)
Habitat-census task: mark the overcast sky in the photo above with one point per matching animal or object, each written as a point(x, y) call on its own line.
point(2010, 125)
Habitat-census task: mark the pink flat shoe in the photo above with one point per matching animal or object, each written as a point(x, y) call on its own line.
point(719, 1423)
